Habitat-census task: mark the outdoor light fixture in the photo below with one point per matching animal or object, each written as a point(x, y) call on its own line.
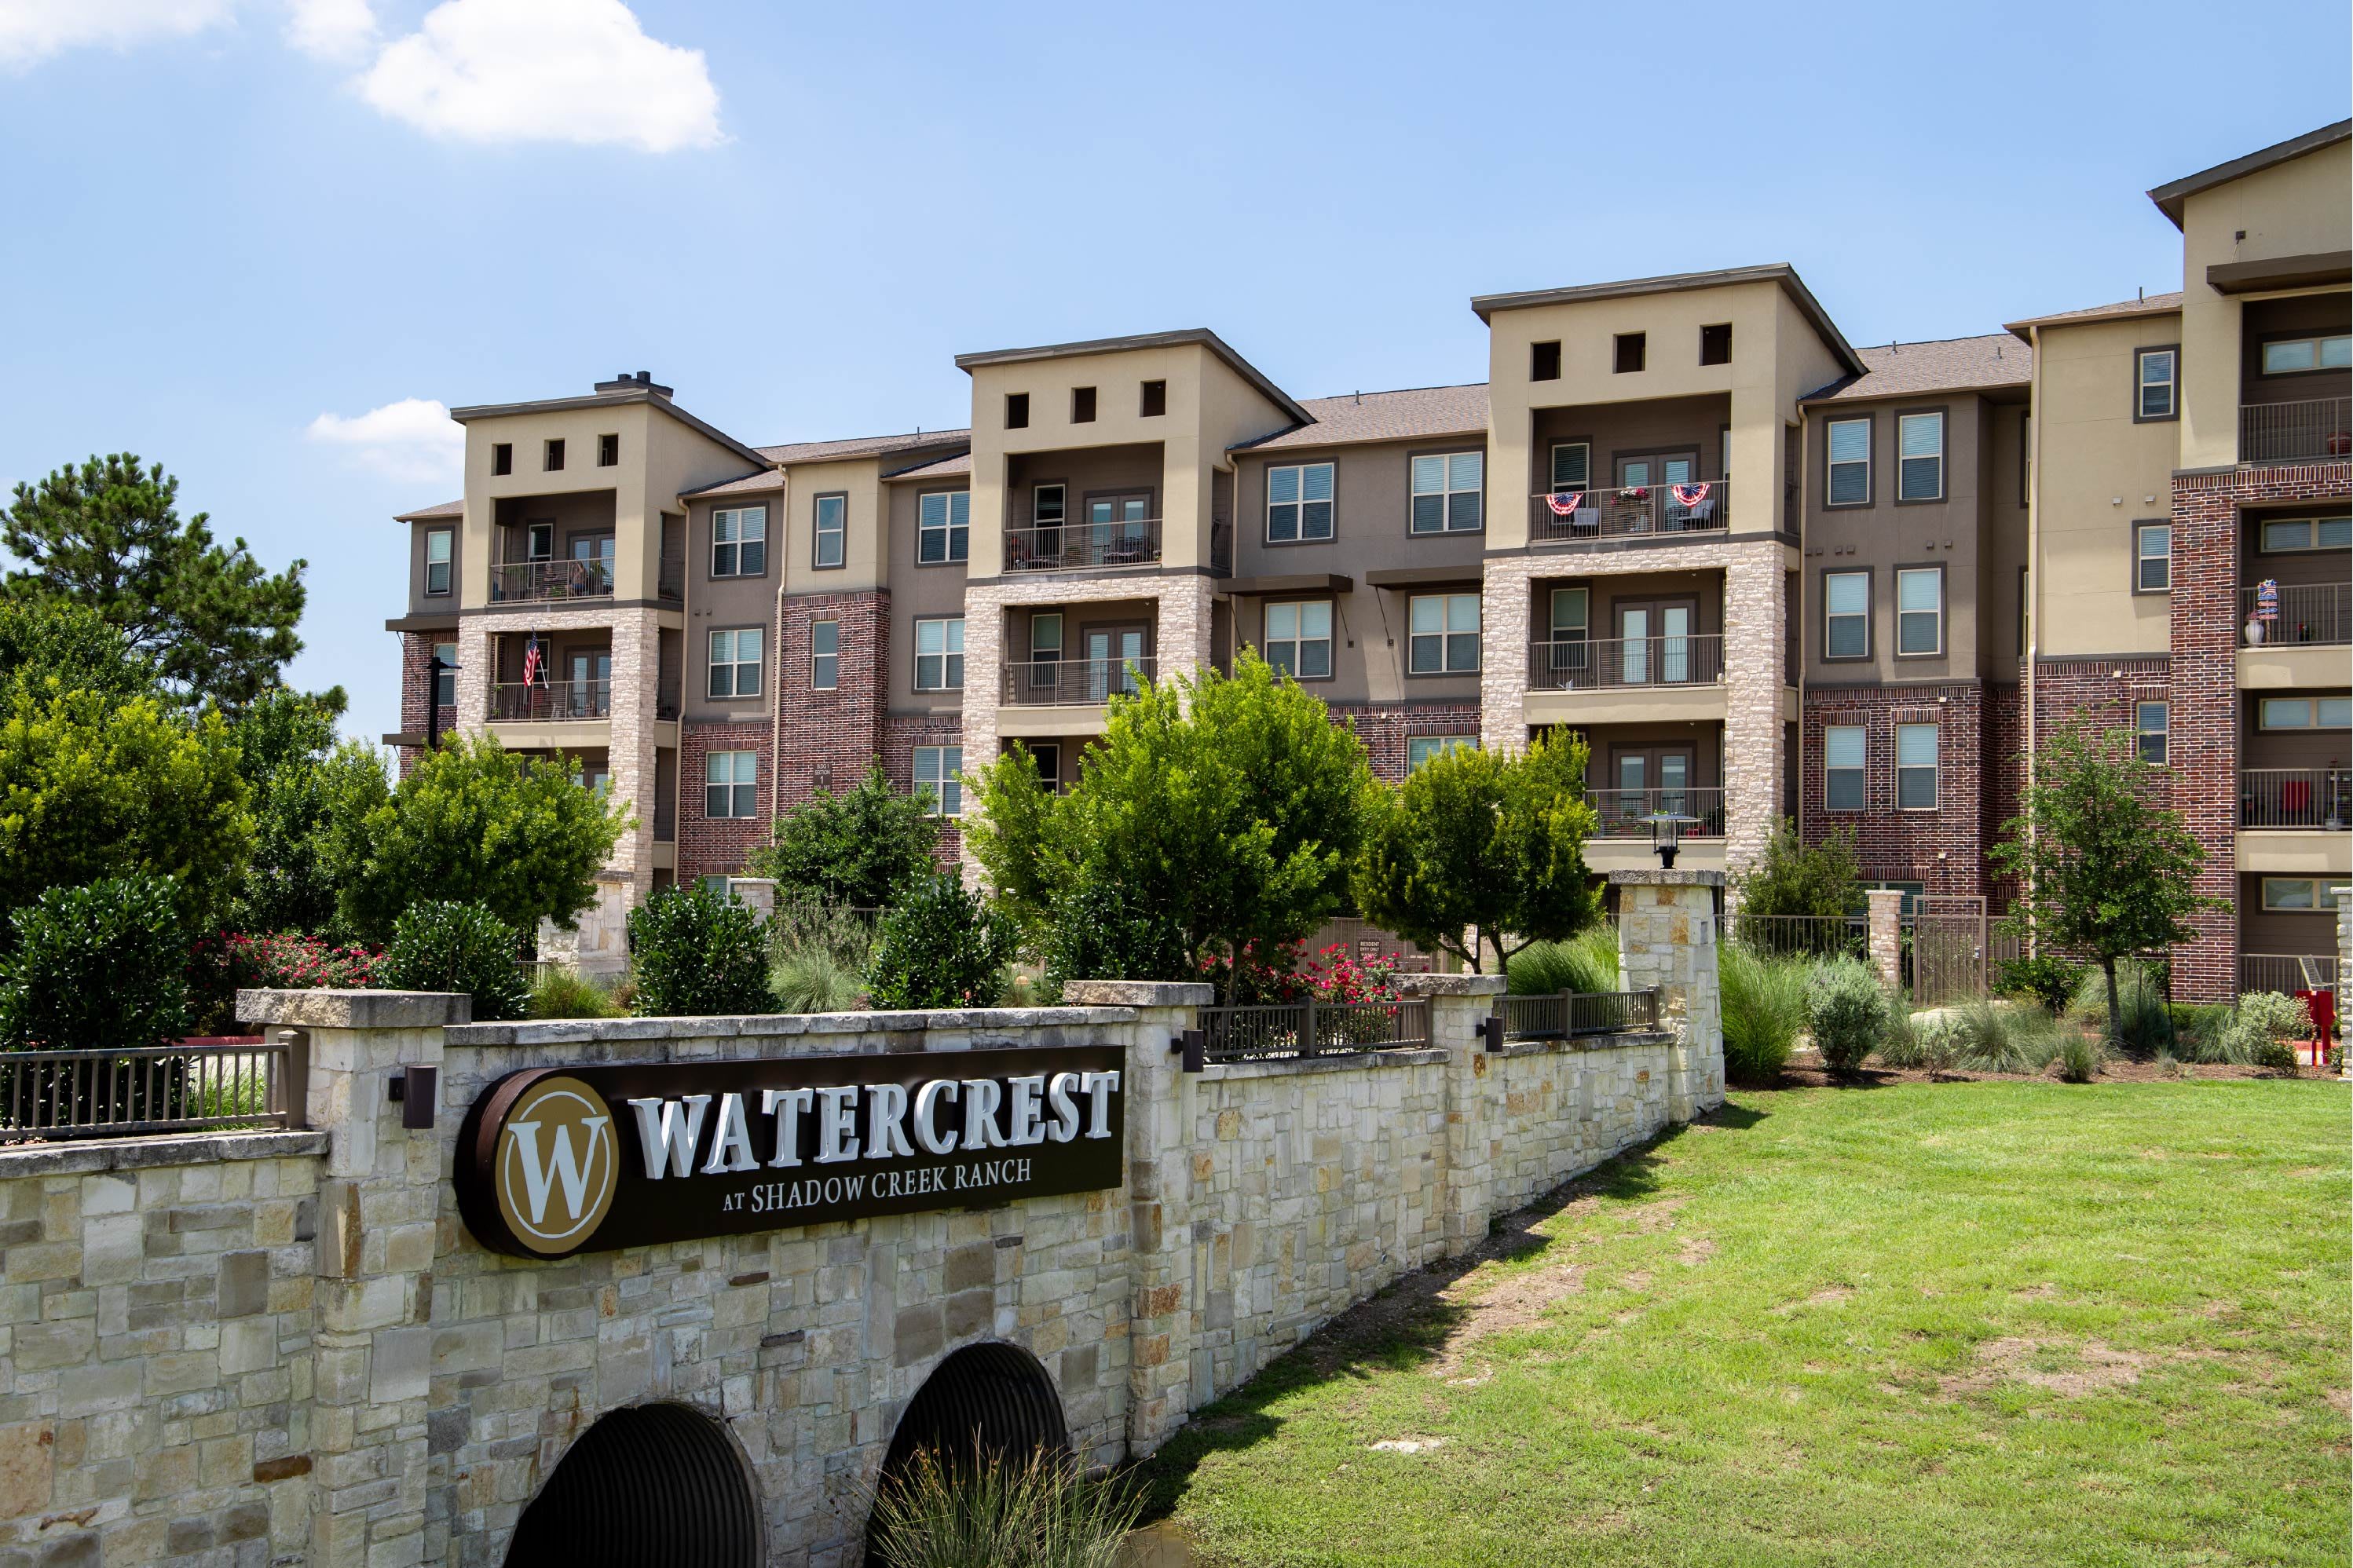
point(1667, 835)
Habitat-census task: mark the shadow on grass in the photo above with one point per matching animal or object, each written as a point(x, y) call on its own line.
point(1407, 1324)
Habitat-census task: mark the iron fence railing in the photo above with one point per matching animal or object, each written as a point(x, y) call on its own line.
point(2290, 431)
point(548, 701)
point(2286, 972)
point(2295, 797)
point(1813, 936)
point(1072, 682)
point(1074, 546)
point(1571, 1015)
point(1595, 663)
point(521, 581)
point(1703, 507)
point(1314, 1029)
point(1626, 813)
point(2309, 612)
point(117, 1093)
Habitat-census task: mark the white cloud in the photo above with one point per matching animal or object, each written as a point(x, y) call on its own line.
point(330, 29)
point(413, 440)
point(546, 70)
point(33, 30)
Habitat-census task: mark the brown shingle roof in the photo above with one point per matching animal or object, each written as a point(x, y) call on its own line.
point(2146, 305)
point(757, 481)
point(1384, 417)
point(1954, 364)
point(938, 467)
point(862, 446)
point(439, 509)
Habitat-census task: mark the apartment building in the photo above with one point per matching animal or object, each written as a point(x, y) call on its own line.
point(1763, 571)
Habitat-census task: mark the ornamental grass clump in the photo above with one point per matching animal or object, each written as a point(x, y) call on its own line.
point(442, 946)
point(2143, 1022)
point(1586, 964)
point(1001, 1512)
point(817, 956)
point(559, 992)
point(1847, 1011)
point(697, 955)
point(1765, 1010)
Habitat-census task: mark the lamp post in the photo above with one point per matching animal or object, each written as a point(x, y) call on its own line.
point(1667, 835)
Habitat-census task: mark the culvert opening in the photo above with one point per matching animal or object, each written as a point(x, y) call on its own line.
point(654, 1483)
point(984, 1402)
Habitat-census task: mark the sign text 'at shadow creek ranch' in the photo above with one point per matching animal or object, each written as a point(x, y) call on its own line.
point(555, 1161)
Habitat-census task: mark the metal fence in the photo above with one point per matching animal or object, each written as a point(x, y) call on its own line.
point(1075, 546)
point(1572, 1014)
point(1073, 682)
point(163, 1088)
point(528, 580)
point(1312, 1029)
point(1586, 663)
point(2286, 972)
point(549, 701)
point(1617, 512)
point(2287, 432)
point(2295, 797)
point(1813, 936)
point(1626, 813)
point(2307, 612)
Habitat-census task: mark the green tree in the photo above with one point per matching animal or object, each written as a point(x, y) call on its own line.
point(92, 788)
point(1227, 805)
point(861, 849)
point(472, 823)
point(694, 953)
point(109, 536)
point(1794, 878)
point(940, 946)
point(2103, 871)
point(285, 740)
point(70, 645)
point(1481, 850)
point(100, 965)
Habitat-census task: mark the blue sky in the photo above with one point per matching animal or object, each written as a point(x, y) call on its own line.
point(247, 234)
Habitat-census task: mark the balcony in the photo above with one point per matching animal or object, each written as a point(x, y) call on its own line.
point(531, 582)
point(2295, 431)
point(2286, 972)
point(2294, 798)
point(1624, 663)
point(1083, 546)
point(1626, 813)
point(2309, 613)
point(551, 702)
point(1633, 512)
point(1072, 682)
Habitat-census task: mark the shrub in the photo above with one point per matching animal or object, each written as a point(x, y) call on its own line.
point(2198, 1030)
point(694, 954)
point(443, 946)
point(2046, 977)
point(226, 963)
point(1794, 878)
point(941, 947)
point(2079, 1058)
point(1765, 1010)
point(1991, 1036)
point(2259, 1032)
point(1095, 931)
point(96, 967)
point(1037, 1512)
point(1847, 1010)
point(2145, 1023)
point(560, 993)
point(858, 849)
point(1585, 964)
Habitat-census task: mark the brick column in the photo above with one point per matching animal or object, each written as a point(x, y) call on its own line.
point(1887, 935)
point(2202, 720)
point(1667, 938)
point(378, 1201)
point(1459, 1005)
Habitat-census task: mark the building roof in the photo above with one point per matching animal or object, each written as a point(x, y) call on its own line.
point(863, 447)
point(937, 468)
point(620, 396)
point(1199, 336)
point(759, 481)
point(2171, 197)
point(1779, 272)
point(1383, 417)
point(2146, 305)
point(1952, 364)
point(450, 509)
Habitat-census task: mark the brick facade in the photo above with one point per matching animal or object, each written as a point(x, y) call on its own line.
point(1386, 727)
point(415, 688)
point(902, 733)
point(1945, 849)
point(826, 740)
point(708, 846)
point(2002, 771)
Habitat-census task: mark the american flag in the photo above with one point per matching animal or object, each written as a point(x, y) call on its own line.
point(534, 666)
point(1564, 503)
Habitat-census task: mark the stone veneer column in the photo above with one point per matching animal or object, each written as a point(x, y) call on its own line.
point(1667, 938)
point(1459, 1005)
point(1887, 935)
point(1754, 665)
point(379, 1199)
point(1167, 1290)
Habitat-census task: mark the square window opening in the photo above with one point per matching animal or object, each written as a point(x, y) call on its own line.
point(1016, 411)
point(1082, 406)
point(608, 451)
point(1629, 350)
point(1544, 361)
point(1716, 343)
point(1153, 402)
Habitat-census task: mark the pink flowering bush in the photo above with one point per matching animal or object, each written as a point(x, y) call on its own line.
point(227, 962)
point(1286, 973)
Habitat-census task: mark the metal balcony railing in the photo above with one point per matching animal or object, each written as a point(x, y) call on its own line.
point(2295, 797)
point(1078, 546)
point(2309, 612)
point(1701, 507)
point(1569, 1015)
point(524, 581)
point(1626, 813)
point(1314, 1028)
point(114, 1093)
point(2286, 972)
point(1610, 662)
point(1072, 682)
point(551, 701)
point(2292, 432)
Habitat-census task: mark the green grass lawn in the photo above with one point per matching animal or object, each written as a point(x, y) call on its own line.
point(2011, 1323)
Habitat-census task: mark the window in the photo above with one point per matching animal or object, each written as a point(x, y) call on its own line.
point(2149, 727)
point(596, 778)
point(1913, 893)
point(1048, 754)
point(939, 655)
point(1920, 457)
point(739, 541)
point(502, 458)
point(2300, 895)
point(1920, 610)
point(944, 526)
point(1444, 635)
point(539, 541)
point(1543, 361)
point(715, 886)
point(1570, 615)
point(608, 451)
point(2307, 533)
point(1419, 749)
point(832, 533)
point(2291, 356)
point(824, 655)
point(1850, 459)
point(1299, 502)
point(1846, 615)
point(1299, 638)
point(729, 784)
point(1572, 466)
point(735, 663)
point(1153, 400)
point(2152, 557)
point(1082, 406)
point(437, 543)
point(1016, 411)
point(938, 777)
point(1631, 349)
point(1446, 492)
point(2307, 712)
point(1715, 344)
point(1046, 638)
point(551, 459)
point(1046, 506)
point(444, 679)
point(1916, 767)
point(2153, 377)
point(1843, 762)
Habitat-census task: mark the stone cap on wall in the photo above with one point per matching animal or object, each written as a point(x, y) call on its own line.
point(81, 1156)
point(573, 1031)
point(355, 1009)
point(1452, 984)
point(1662, 877)
point(1139, 992)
